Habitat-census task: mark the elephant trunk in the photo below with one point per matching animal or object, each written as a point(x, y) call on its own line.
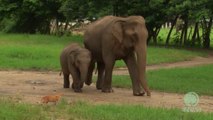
point(83, 74)
point(141, 61)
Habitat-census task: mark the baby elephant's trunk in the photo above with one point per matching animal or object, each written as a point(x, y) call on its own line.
point(83, 74)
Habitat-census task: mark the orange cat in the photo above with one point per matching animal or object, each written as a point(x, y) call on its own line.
point(51, 98)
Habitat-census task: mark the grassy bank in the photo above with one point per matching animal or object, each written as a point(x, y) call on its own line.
point(41, 52)
point(32, 52)
point(179, 80)
point(9, 110)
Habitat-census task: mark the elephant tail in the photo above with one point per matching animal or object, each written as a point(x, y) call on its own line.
point(60, 73)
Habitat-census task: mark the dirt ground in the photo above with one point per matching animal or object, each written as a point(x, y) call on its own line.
point(29, 86)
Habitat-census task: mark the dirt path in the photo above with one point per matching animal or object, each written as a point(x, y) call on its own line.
point(31, 86)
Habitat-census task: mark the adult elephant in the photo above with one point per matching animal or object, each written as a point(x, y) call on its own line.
point(112, 38)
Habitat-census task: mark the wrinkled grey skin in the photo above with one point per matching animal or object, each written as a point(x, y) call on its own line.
point(114, 38)
point(75, 60)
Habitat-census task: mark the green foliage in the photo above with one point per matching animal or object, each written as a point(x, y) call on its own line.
point(28, 16)
point(77, 9)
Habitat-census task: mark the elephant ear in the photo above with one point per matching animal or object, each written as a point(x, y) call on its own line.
point(117, 30)
point(73, 56)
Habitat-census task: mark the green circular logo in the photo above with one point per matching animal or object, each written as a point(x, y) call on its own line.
point(191, 99)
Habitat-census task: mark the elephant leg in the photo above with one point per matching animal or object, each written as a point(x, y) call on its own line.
point(66, 80)
point(100, 66)
point(134, 75)
point(107, 83)
point(79, 83)
point(76, 85)
point(90, 72)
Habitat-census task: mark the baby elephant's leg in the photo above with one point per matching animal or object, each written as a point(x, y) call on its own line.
point(77, 84)
point(66, 81)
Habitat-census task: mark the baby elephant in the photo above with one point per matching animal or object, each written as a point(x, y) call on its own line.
point(75, 60)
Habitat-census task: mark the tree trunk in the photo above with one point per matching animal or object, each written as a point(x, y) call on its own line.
point(181, 37)
point(190, 32)
point(185, 31)
point(57, 27)
point(194, 34)
point(170, 31)
point(150, 30)
point(155, 35)
point(115, 8)
point(66, 25)
point(198, 36)
point(206, 36)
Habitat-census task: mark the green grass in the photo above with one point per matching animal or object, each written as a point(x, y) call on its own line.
point(41, 52)
point(198, 79)
point(83, 111)
point(179, 80)
point(158, 55)
point(32, 52)
point(9, 110)
point(132, 112)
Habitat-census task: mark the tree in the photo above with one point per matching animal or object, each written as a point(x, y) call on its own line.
point(31, 16)
point(207, 23)
point(28, 16)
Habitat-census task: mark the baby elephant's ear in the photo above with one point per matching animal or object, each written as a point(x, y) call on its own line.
point(72, 56)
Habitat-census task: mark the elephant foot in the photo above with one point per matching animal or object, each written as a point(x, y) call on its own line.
point(81, 85)
point(107, 90)
point(73, 86)
point(148, 93)
point(98, 87)
point(66, 86)
point(88, 82)
point(78, 90)
point(77, 86)
point(139, 94)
